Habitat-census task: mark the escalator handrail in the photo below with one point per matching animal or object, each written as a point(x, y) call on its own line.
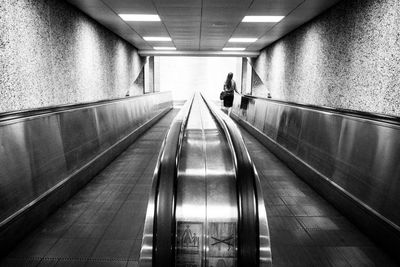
point(158, 247)
point(165, 204)
point(248, 221)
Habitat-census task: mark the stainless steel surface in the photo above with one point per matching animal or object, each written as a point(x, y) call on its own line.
point(206, 210)
point(209, 197)
point(306, 230)
point(101, 225)
point(249, 190)
point(356, 155)
point(168, 158)
point(37, 153)
point(265, 237)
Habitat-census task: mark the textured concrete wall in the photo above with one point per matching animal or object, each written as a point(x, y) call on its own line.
point(51, 54)
point(258, 88)
point(349, 57)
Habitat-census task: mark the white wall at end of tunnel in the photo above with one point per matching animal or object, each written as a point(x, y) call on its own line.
point(186, 75)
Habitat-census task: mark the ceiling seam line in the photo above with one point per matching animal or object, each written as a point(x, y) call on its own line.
point(252, 2)
point(238, 26)
point(112, 10)
point(201, 23)
point(270, 29)
point(162, 21)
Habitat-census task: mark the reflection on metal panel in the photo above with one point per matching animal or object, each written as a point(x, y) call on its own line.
point(254, 231)
point(38, 152)
point(206, 193)
point(166, 170)
point(357, 154)
point(216, 192)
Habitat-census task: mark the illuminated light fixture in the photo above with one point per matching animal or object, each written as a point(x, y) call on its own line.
point(164, 48)
point(160, 39)
point(262, 18)
point(233, 49)
point(139, 17)
point(242, 40)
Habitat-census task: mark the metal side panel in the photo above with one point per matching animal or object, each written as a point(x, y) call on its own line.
point(359, 155)
point(351, 158)
point(48, 154)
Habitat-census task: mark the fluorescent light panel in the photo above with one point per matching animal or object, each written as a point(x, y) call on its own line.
point(262, 18)
point(164, 48)
point(155, 38)
point(242, 40)
point(140, 17)
point(233, 49)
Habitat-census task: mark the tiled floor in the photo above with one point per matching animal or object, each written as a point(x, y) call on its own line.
point(101, 225)
point(305, 229)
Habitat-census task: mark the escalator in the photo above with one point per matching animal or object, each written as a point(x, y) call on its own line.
point(206, 207)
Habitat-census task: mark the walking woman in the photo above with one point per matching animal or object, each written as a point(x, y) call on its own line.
point(229, 89)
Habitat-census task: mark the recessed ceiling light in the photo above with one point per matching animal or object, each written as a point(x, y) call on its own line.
point(242, 40)
point(164, 48)
point(234, 49)
point(139, 17)
point(154, 38)
point(262, 18)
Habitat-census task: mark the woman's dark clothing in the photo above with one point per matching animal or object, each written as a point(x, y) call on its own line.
point(229, 88)
point(228, 101)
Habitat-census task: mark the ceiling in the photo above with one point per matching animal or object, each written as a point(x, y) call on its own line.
point(202, 25)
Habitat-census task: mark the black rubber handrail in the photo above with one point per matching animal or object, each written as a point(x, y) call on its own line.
point(346, 112)
point(165, 202)
point(12, 115)
point(248, 223)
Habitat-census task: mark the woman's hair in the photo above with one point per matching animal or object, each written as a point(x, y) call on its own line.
point(228, 82)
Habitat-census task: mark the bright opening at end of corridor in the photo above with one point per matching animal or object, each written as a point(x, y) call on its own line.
point(186, 75)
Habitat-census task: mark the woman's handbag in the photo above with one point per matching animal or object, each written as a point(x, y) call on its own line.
point(222, 95)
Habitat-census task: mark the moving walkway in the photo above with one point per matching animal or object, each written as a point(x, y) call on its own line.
point(206, 207)
point(102, 224)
